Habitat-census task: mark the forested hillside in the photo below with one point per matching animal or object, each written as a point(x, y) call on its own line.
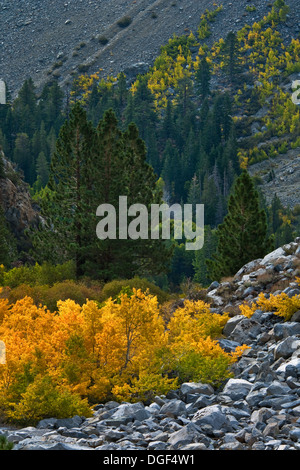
point(188, 130)
point(203, 112)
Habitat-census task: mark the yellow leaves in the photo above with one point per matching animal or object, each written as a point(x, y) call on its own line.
point(122, 348)
point(83, 86)
point(281, 305)
point(194, 321)
point(239, 351)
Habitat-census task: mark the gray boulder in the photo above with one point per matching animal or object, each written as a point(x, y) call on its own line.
point(173, 408)
point(192, 387)
point(127, 412)
point(286, 347)
point(237, 389)
point(187, 435)
point(213, 416)
point(283, 330)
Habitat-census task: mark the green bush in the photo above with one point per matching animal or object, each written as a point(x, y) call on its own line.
point(45, 273)
point(113, 288)
point(50, 295)
point(124, 22)
point(76, 291)
point(103, 40)
point(44, 399)
point(5, 444)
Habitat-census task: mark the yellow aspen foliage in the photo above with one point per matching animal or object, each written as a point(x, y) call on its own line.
point(195, 321)
point(193, 350)
point(57, 363)
point(83, 86)
point(280, 304)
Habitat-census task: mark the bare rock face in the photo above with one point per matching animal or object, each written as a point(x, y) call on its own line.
point(19, 209)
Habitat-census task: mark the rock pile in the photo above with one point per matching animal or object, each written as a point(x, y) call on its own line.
point(257, 409)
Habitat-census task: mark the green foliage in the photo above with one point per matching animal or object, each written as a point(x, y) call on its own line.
point(7, 242)
point(124, 21)
point(92, 166)
point(194, 366)
point(113, 288)
point(44, 399)
point(206, 18)
point(39, 274)
point(242, 236)
point(5, 444)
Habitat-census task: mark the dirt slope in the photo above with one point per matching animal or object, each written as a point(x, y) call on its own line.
point(46, 38)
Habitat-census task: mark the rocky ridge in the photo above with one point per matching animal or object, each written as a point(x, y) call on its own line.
point(20, 211)
point(257, 409)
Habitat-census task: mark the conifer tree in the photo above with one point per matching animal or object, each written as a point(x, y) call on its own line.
point(65, 207)
point(125, 172)
point(242, 236)
point(231, 57)
point(203, 76)
point(92, 166)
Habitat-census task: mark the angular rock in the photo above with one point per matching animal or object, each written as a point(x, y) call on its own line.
point(184, 436)
point(192, 387)
point(129, 412)
point(173, 408)
point(212, 416)
point(237, 388)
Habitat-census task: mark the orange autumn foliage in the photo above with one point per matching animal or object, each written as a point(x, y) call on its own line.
point(121, 349)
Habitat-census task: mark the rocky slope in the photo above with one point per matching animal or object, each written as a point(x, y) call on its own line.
point(285, 180)
point(257, 409)
point(44, 39)
point(19, 209)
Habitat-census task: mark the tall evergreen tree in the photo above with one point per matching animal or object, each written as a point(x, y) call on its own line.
point(203, 76)
point(231, 56)
point(242, 236)
point(92, 166)
point(65, 207)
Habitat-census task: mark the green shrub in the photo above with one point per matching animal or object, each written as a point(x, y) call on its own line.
point(45, 273)
point(50, 295)
point(103, 40)
point(44, 399)
point(76, 291)
point(124, 22)
point(113, 288)
point(5, 444)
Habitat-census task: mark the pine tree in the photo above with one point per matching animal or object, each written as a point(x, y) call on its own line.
point(200, 257)
point(231, 57)
point(203, 76)
point(92, 166)
point(126, 173)
point(42, 169)
point(65, 207)
point(242, 236)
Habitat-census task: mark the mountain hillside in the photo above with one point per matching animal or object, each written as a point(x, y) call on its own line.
point(46, 39)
